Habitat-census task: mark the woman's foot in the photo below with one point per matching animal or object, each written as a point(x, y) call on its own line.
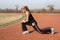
point(48, 31)
point(26, 32)
point(52, 30)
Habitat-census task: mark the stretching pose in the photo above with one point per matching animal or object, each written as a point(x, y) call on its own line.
point(29, 20)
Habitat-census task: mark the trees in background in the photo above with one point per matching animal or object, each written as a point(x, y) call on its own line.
point(51, 7)
point(17, 7)
point(43, 10)
point(7, 10)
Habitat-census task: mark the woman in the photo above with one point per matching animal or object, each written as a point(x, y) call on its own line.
point(29, 20)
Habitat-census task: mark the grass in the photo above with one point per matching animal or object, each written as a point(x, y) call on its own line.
point(9, 18)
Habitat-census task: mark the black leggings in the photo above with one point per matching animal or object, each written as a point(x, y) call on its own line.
point(34, 25)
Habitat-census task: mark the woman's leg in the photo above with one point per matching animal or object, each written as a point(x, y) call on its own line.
point(44, 31)
point(24, 28)
point(48, 30)
point(35, 26)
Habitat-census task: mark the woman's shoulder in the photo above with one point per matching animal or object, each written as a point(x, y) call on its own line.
point(27, 12)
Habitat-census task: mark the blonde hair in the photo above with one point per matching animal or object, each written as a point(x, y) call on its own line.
point(27, 9)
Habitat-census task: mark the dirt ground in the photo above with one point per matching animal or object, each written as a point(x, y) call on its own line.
point(14, 31)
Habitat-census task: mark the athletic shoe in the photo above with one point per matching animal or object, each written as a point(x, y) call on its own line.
point(52, 30)
point(26, 32)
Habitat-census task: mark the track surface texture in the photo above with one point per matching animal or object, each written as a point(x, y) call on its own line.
point(14, 31)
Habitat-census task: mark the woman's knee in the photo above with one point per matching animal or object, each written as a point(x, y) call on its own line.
point(33, 24)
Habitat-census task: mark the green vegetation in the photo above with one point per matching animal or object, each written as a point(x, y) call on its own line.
point(8, 19)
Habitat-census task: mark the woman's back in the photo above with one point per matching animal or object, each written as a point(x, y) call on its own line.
point(31, 18)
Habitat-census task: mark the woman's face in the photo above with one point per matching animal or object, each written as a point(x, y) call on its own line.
point(23, 10)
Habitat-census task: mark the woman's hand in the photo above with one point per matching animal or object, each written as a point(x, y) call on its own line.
point(24, 21)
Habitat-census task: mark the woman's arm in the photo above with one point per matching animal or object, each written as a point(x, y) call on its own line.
point(26, 17)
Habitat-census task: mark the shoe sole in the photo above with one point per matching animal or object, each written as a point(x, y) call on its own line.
point(52, 30)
